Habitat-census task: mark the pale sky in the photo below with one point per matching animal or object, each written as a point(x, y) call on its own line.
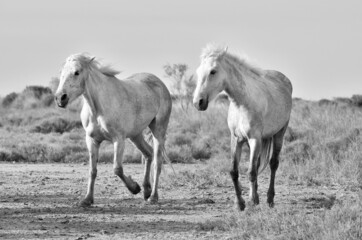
point(316, 43)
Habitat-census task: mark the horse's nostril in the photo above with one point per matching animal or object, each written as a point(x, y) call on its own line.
point(63, 97)
point(201, 101)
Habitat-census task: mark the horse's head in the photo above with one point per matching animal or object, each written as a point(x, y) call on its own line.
point(211, 78)
point(72, 79)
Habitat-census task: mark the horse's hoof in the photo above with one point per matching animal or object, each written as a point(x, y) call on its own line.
point(85, 203)
point(146, 194)
point(136, 189)
point(147, 190)
point(240, 205)
point(253, 201)
point(271, 204)
point(153, 200)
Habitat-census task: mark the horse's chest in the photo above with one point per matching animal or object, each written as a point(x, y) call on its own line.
point(98, 129)
point(240, 123)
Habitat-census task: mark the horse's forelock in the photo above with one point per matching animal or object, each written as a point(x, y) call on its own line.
point(212, 50)
point(87, 61)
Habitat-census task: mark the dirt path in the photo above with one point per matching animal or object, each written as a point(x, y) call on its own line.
point(37, 202)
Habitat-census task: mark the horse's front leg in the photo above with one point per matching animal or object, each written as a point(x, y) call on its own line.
point(255, 148)
point(236, 148)
point(93, 149)
point(132, 186)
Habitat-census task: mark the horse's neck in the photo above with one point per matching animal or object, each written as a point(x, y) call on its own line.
point(242, 88)
point(95, 92)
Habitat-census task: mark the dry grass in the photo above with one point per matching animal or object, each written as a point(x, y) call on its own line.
point(323, 146)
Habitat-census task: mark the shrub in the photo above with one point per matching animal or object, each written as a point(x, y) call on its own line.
point(56, 124)
point(201, 149)
point(357, 100)
point(10, 155)
point(37, 91)
point(326, 102)
point(341, 144)
point(180, 139)
point(179, 153)
point(298, 151)
point(9, 99)
point(343, 100)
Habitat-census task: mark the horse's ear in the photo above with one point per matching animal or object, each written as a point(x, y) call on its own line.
point(91, 60)
point(222, 53)
point(226, 49)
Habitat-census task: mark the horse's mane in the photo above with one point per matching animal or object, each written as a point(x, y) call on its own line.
point(212, 50)
point(87, 61)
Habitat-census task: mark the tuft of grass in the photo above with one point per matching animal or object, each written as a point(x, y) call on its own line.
point(340, 222)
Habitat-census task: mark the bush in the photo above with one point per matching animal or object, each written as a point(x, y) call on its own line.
point(9, 99)
point(201, 149)
point(343, 100)
point(340, 145)
point(37, 91)
point(298, 152)
point(9, 155)
point(357, 100)
point(326, 102)
point(56, 124)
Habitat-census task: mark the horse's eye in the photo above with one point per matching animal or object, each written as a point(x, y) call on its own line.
point(213, 72)
point(76, 73)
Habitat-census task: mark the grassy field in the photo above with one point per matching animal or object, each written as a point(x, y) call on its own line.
point(322, 148)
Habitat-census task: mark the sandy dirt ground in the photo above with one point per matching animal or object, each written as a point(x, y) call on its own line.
point(38, 201)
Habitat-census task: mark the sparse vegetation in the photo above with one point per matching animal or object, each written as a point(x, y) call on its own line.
point(323, 146)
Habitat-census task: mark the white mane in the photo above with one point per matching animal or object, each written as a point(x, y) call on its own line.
point(212, 50)
point(86, 61)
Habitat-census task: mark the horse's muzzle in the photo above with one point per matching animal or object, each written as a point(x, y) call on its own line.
point(62, 101)
point(201, 104)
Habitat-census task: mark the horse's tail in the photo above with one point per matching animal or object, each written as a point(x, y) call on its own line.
point(266, 153)
point(149, 140)
point(165, 157)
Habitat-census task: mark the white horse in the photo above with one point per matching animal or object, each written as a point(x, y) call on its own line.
point(114, 110)
point(259, 112)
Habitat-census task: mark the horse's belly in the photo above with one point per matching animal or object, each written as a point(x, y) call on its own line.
point(274, 122)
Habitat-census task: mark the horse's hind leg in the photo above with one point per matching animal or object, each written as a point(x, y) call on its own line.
point(132, 186)
point(93, 148)
point(146, 150)
point(236, 148)
point(158, 128)
point(274, 163)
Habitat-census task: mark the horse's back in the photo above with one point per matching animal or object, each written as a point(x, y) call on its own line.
point(150, 82)
point(280, 79)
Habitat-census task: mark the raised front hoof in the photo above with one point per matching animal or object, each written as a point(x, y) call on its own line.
point(135, 189)
point(85, 203)
point(240, 205)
